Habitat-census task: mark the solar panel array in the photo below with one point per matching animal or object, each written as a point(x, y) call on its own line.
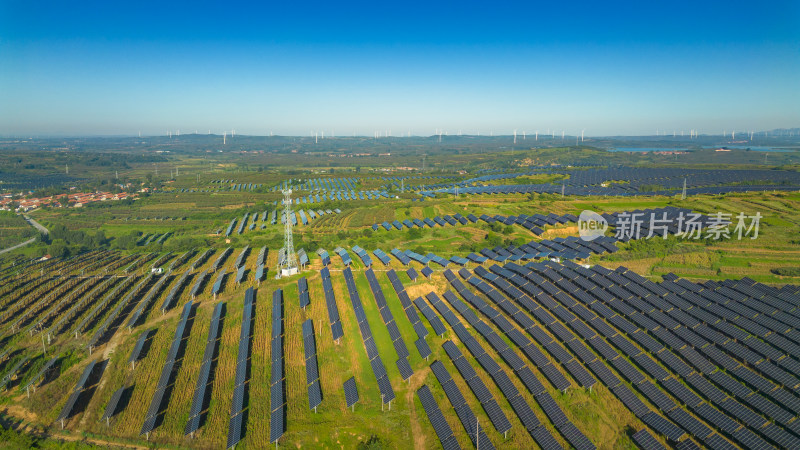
point(166, 372)
point(303, 294)
point(175, 292)
point(136, 353)
point(534, 223)
point(202, 258)
point(65, 319)
point(277, 381)
point(440, 425)
point(145, 302)
point(382, 256)
point(241, 275)
point(36, 379)
point(92, 288)
point(312, 367)
point(411, 313)
point(113, 403)
point(521, 340)
point(240, 260)
point(206, 368)
point(402, 257)
point(566, 337)
point(436, 323)
point(365, 258)
point(219, 283)
point(29, 312)
point(199, 284)
point(13, 371)
point(326, 259)
point(181, 259)
point(221, 259)
point(653, 315)
point(346, 260)
point(112, 316)
point(378, 368)
point(262, 256)
point(462, 409)
point(350, 392)
point(394, 332)
point(302, 257)
point(236, 424)
point(501, 379)
point(496, 415)
point(337, 331)
point(79, 388)
point(585, 182)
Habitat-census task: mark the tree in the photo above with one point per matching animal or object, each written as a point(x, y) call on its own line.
point(58, 248)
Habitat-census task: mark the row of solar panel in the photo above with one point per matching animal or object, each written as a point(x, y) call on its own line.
point(79, 388)
point(337, 331)
point(554, 348)
point(175, 291)
point(221, 259)
point(277, 380)
point(112, 316)
point(145, 302)
point(166, 372)
point(394, 332)
point(378, 368)
point(531, 351)
point(422, 346)
point(200, 392)
point(671, 361)
point(312, 367)
point(501, 379)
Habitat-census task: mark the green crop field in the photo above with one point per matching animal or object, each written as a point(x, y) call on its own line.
point(51, 309)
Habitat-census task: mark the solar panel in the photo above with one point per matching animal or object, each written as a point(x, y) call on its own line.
point(689, 423)
point(314, 394)
point(111, 407)
point(350, 392)
point(663, 426)
point(646, 441)
point(684, 394)
point(551, 409)
point(386, 390)
point(405, 368)
point(544, 438)
point(67, 409)
point(575, 437)
point(440, 425)
point(277, 425)
point(630, 400)
point(423, 348)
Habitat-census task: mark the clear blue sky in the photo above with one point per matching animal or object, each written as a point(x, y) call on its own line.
point(121, 67)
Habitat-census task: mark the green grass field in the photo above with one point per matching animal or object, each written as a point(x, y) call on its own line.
point(598, 413)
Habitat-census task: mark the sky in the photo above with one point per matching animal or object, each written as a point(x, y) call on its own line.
point(295, 68)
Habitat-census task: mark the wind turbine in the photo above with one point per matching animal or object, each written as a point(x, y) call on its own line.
point(224, 135)
point(582, 134)
point(515, 136)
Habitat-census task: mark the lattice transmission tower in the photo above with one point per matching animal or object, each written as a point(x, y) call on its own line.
point(289, 264)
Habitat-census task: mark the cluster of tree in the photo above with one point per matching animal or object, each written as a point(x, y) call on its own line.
point(64, 242)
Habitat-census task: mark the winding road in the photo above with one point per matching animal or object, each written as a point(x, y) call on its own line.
point(32, 223)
